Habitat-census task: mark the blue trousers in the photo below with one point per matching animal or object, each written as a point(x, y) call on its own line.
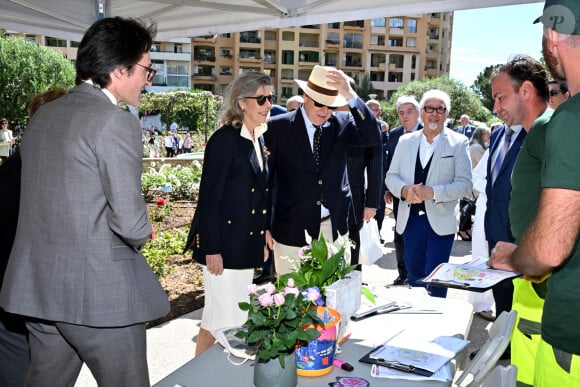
point(424, 250)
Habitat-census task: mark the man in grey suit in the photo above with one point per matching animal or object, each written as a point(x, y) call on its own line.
point(75, 270)
point(430, 172)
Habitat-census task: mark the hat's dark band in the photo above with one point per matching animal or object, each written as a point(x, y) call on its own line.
point(322, 90)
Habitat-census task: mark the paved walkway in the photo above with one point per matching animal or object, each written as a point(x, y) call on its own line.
point(172, 344)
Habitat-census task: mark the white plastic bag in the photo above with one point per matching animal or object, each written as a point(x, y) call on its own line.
point(370, 243)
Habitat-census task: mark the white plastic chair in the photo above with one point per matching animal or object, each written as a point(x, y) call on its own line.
point(487, 357)
point(502, 377)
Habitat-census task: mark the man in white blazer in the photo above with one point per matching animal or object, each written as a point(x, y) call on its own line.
point(430, 172)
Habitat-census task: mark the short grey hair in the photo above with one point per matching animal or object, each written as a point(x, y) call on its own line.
point(407, 99)
point(436, 94)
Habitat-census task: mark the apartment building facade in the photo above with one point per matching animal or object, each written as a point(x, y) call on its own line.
point(392, 50)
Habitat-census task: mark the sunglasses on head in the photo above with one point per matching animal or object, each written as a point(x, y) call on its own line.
point(554, 93)
point(319, 105)
point(261, 99)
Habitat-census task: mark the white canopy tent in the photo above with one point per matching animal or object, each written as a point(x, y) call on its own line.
point(68, 19)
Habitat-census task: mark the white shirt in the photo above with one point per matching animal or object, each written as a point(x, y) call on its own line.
point(258, 131)
point(426, 150)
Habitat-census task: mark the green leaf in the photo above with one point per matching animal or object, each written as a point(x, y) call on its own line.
point(369, 295)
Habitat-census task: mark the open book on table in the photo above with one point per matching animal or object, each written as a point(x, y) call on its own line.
point(474, 275)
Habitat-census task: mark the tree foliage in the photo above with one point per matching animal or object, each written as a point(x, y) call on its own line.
point(186, 108)
point(463, 99)
point(482, 86)
point(28, 69)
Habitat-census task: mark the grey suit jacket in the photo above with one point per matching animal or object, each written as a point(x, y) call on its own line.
point(449, 176)
point(82, 218)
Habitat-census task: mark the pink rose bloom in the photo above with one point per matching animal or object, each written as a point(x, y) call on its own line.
point(269, 288)
point(266, 299)
point(288, 290)
point(279, 299)
point(253, 288)
point(160, 202)
point(290, 282)
point(313, 294)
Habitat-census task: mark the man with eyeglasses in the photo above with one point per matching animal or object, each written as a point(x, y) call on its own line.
point(430, 172)
point(75, 270)
point(307, 159)
point(558, 92)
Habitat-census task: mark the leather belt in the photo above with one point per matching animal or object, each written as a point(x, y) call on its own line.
point(324, 218)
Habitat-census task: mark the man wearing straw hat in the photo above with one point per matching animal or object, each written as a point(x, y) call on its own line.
point(307, 159)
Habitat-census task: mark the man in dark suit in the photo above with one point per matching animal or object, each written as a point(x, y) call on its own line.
point(75, 270)
point(465, 128)
point(519, 88)
point(366, 192)
point(307, 158)
point(408, 112)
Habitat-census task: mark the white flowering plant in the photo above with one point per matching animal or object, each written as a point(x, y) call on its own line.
point(279, 318)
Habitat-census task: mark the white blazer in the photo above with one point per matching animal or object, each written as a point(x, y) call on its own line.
point(449, 176)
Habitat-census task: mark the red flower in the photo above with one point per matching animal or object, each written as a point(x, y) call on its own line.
point(160, 202)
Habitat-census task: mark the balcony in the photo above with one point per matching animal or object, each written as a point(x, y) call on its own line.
point(352, 63)
point(431, 72)
point(204, 58)
point(332, 42)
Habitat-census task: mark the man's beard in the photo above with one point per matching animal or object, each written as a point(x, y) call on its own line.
point(552, 62)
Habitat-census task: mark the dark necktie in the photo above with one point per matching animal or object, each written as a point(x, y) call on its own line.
point(316, 147)
point(501, 155)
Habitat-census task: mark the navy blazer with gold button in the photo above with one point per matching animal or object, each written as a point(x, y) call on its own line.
point(232, 215)
point(299, 190)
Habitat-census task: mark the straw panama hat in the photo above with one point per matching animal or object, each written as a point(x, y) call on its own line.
point(319, 90)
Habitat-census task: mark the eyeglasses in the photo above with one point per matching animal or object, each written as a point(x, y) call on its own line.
point(261, 99)
point(554, 92)
point(150, 72)
point(432, 109)
point(319, 105)
point(3, 122)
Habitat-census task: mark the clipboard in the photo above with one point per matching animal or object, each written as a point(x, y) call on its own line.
point(473, 276)
point(393, 364)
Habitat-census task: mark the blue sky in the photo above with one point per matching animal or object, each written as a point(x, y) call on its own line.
point(486, 36)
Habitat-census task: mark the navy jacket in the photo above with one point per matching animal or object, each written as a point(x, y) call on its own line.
point(298, 190)
point(232, 214)
point(497, 223)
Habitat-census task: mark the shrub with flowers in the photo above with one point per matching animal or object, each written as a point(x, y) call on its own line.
point(276, 318)
point(161, 211)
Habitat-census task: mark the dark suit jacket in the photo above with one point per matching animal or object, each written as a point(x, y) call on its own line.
point(299, 190)
point(497, 223)
point(469, 129)
point(370, 158)
point(394, 135)
point(232, 214)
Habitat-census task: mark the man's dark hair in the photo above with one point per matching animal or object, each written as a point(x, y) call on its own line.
point(112, 43)
point(523, 68)
point(563, 85)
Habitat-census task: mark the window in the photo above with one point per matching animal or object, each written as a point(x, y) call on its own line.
point(395, 22)
point(395, 77)
point(54, 42)
point(250, 37)
point(287, 92)
point(178, 48)
point(270, 35)
point(333, 38)
point(412, 26)
point(396, 42)
point(379, 22)
point(74, 43)
point(226, 70)
point(353, 41)
point(377, 59)
point(411, 42)
point(377, 40)
point(288, 57)
point(335, 26)
point(377, 76)
point(227, 36)
point(288, 36)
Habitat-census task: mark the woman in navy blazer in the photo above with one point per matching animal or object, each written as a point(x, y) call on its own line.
point(228, 231)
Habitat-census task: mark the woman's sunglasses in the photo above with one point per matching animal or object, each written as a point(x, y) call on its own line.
point(261, 99)
point(319, 105)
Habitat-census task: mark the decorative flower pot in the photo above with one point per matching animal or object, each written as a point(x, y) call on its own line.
point(271, 374)
point(315, 358)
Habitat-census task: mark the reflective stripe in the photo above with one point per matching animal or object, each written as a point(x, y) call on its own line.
point(529, 327)
point(564, 359)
